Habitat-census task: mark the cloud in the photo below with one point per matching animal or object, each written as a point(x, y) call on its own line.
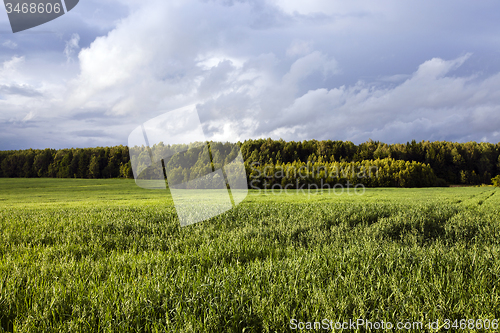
point(9, 44)
point(395, 78)
point(308, 64)
point(29, 116)
point(428, 105)
point(12, 65)
point(436, 67)
point(298, 48)
point(71, 46)
point(157, 52)
point(325, 70)
point(90, 133)
point(22, 90)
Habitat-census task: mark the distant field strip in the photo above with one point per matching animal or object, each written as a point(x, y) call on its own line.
point(106, 256)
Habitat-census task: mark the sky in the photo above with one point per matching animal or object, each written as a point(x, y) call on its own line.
point(390, 71)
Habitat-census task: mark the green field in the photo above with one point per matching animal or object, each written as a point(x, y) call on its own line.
point(108, 256)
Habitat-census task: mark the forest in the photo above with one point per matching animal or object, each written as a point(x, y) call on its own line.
point(269, 162)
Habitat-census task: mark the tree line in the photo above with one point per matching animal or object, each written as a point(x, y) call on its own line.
point(410, 164)
point(469, 163)
point(102, 162)
point(385, 172)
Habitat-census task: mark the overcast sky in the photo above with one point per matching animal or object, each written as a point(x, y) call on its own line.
point(391, 71)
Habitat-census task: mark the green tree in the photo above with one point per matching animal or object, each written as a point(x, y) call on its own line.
point(83, 164)
point(42, 161)
point(496, 181)
point(94, 167)
point(126, 170)
point(9, 166)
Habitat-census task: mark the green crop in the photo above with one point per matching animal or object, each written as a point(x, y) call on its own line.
point(108, 256)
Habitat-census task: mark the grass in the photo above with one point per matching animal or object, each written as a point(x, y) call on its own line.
point(107, 256)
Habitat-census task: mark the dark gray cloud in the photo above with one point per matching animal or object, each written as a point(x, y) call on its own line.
point(91, 133)
point(89, 115)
